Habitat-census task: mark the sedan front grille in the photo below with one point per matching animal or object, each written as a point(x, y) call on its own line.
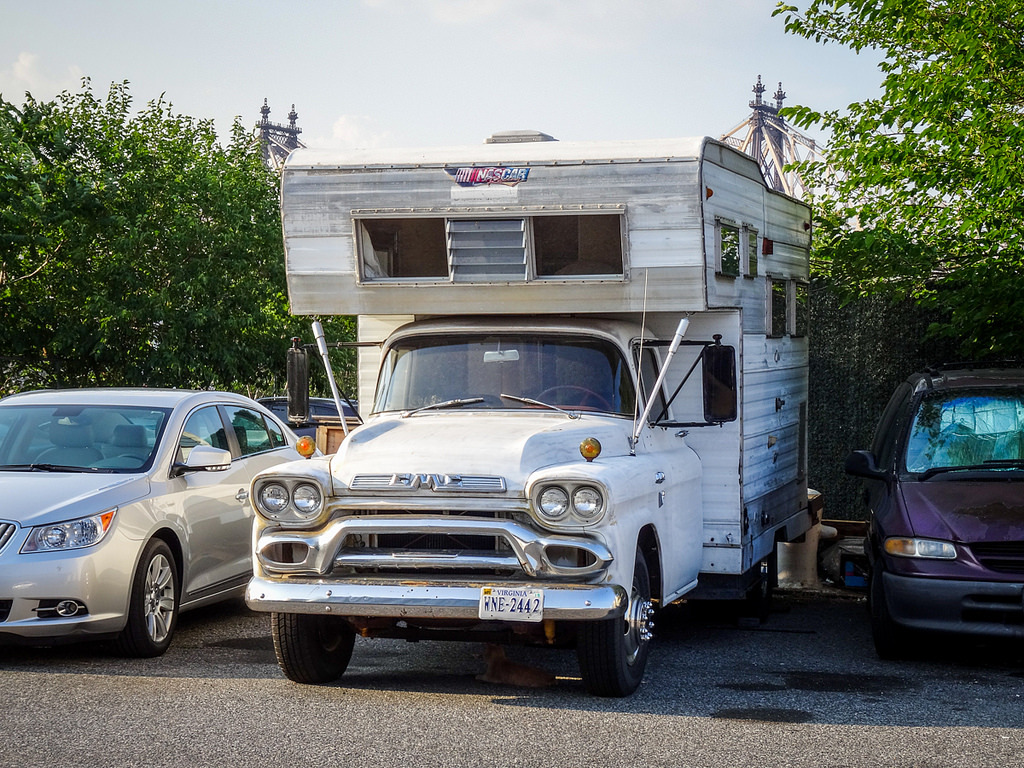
point(6, 534)
point(1000, 556)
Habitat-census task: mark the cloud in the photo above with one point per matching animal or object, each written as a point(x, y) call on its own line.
point(350, 132)
point(26, 74)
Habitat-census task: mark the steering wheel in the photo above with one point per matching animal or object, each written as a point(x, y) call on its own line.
point(586, 395)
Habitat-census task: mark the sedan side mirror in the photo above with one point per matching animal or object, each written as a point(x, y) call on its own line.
point(862, 464)
point(203, 458)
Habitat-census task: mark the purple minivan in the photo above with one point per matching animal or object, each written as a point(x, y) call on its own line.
point(944, 483)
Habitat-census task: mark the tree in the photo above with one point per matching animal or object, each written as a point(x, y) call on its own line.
point(931, 172)
point(136, 250)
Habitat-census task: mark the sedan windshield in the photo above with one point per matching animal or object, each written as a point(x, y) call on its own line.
point(967, 429)
point(70, 438)
point(505, 371)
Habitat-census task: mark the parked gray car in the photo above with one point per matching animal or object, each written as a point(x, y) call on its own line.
point(119, 508)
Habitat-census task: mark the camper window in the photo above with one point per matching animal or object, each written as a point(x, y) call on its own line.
point(728, 249)
point(778, 308)
point(403, 248)
point(802, 309)
point(577, 245)
point(751, 242)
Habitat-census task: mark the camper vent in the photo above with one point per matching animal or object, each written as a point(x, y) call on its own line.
point(518, 137)
point(487, 250)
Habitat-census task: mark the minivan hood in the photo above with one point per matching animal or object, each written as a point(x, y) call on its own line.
point(509, 444)
point(965, 510)
point(36, 498)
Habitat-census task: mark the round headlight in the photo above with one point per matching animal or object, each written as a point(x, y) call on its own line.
point(587, 502)
point(554, 502)
point(307, 499)
point(273, 498)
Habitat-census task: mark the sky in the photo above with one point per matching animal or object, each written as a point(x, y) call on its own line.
point(428, 73)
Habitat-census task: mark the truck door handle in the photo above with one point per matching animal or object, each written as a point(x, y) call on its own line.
point(242, 495)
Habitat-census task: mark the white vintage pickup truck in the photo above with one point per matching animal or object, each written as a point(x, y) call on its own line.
point(583, 371)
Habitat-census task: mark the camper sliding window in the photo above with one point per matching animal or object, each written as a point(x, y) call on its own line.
point(480, 250)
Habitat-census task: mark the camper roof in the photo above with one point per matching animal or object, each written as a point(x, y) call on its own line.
point(525, 152)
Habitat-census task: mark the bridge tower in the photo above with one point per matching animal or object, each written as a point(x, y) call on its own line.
point(766, 136)
point(278, 140)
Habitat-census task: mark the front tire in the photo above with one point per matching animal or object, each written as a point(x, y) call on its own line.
point(153, 604)
point(613, 653)
point(310, 648)
point(892, 642)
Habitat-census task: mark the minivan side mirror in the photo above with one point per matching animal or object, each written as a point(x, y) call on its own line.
point(862, 464)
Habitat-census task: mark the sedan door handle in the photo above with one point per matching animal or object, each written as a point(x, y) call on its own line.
point(242, 494)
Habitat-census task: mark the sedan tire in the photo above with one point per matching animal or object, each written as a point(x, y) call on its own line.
point(153, 605)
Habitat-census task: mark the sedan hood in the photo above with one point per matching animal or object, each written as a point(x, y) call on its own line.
point(966, 511)
point(36, 498)
point(510, 445)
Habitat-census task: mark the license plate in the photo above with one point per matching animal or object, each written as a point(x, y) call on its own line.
point(511, 603)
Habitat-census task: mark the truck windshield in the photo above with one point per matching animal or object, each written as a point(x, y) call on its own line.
point(575, 373)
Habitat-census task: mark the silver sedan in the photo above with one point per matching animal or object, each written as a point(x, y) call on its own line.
point(120, 508)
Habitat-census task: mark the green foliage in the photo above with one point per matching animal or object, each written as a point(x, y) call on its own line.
point(930, 173)
point(135, 250)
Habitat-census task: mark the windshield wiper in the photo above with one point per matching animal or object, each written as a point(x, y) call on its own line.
point(988, 464)
point(456, 403)
point(45, 468)
point(531, 401)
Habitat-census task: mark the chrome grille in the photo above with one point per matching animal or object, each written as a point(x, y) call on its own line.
point(6, 533)
point(440, 483)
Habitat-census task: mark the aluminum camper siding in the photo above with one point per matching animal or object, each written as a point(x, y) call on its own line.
point(658, 193)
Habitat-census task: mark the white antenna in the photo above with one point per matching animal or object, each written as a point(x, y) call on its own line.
point(640, 365)
point(672, 349)
point(321, 345)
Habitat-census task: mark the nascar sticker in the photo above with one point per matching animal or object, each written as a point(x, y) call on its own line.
point(480, 177)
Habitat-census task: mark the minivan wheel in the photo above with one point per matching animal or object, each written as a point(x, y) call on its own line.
point(892, 641)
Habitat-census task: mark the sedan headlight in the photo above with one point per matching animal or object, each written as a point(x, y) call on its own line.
point(289, 502)
point(73, 534)
point(574, 504)
point(928, 549)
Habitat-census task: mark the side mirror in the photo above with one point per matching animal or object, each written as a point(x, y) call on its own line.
point(862, 464)
point(719, 382)
point(297, 386)
point(204, 458)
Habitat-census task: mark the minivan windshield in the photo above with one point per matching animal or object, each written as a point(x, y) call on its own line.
point(973, 428)
point(489, 370)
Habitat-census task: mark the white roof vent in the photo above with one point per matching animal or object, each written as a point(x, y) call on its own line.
point(518, 137)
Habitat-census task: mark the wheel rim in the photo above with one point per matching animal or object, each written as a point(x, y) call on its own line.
point(638, 624)
point(159, 599)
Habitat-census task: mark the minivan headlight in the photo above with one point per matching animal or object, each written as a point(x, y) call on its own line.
point(928, 549)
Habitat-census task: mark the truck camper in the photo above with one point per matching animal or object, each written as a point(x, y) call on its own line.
point(583, 372)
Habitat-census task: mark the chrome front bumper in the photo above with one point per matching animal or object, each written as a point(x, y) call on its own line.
point(528, 552)
point(402, 598)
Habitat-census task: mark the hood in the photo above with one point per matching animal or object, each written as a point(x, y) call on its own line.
point(36, 498)
point(966, 511)
point(510, 445)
